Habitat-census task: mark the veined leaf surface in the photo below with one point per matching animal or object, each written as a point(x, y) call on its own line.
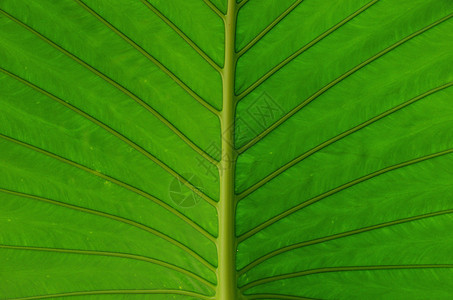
point(197, 149)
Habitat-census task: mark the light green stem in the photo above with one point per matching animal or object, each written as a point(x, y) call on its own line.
point(227, 241)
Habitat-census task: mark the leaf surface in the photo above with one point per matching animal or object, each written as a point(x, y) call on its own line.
point(197, 149)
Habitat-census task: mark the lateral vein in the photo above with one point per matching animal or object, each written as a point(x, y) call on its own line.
point(337, 138)
point(214, 9)
point(116, 134)
point(335, 82)
point(242, 3)
point(301, 50)
point(345, 269)
point(268, 27)
point(115, 254)
point(151, 58)
point(338, 236)
point(118, 219)
point(277, 296)
point(117, 292)
point(115, 181)
point(116, 85)
point(338, 189)
point(183, 36)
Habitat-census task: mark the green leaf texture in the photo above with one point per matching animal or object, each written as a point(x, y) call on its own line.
point(214, 149)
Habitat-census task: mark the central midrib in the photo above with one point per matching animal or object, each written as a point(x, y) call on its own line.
point(227, 241)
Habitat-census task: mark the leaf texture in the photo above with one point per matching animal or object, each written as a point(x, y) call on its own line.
point(214, 149)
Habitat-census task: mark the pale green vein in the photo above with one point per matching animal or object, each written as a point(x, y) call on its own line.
point(242, 3)
point(338, 236)
point(151, 58)
point(301, 50)
point(115, 181)
point(335, 139)
point(338, 189)
point(269, 28)
point(345, 269)
point(118, 292)
point(214, 9)
point(335, 82)
point(226, 210)
point(118, 219)
point(116, 134)
point(114, 254)
point(116, 85)
point(183, 36)
point(277, 296)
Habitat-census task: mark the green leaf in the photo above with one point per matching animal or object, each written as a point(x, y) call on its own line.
point(214, 149)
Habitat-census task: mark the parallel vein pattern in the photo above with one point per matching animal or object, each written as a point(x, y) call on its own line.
point(336, 81)
point(151, 58)
point(116, 218)
point(301, 50)
point(180, 33)
point(376, 130)
point(119, 292)
point(118, 135)
point(182, 281)
point(174, 149)
point(113, 254)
